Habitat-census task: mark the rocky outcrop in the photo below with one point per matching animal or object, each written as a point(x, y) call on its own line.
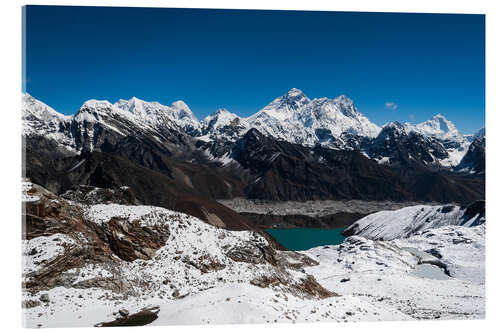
point(51, 216)
point(188, 188)
point(122, 248)
point(141, 318)
point(474, 161)
point(405, 149)
point(129, 241)
point(90, 195)
point(254, 253)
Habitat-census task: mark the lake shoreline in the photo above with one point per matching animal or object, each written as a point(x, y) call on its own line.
point(332, 221)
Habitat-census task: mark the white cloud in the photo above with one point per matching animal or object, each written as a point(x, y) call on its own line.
point(391, 105)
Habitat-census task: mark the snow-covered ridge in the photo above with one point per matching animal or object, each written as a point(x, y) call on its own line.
point(223, 124)
point(40, 119)
point(142, 113)
point(434, 274)
point(83, 130)
point(35, 108)
point(154, 113)
point(474, 160)
point(282, 118)
point(404, 222)
point(145, 114)
point(219, 118)
point(292, 117)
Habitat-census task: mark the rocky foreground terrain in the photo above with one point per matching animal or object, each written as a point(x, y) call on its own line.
point(95, 257)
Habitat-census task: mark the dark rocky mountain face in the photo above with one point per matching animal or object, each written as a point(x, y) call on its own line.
point(90, 195)
point(405, 149)
point(263, 168)
point(232, 131)
point(474, 161)
point(108, 133)
point(353, 142)
point(181, 186)
point(285, 171)
point(394, 146)
point(257, 152)
point(216, 148)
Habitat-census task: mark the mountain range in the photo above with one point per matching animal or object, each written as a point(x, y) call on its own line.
point(334, 123)
point(294, 148)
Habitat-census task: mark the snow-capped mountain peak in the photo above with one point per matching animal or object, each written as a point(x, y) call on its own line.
point(295, 118)
point(480, 133)
point(284, 106)
point(40, 119)
point(346, 102)
point(151, 113)
point(293, 99)
point(177, 110)
point(93, 110)
point(294, 92)
point(440, 123)
point(134, 105)
point(223, 124)
point(438, 127)
point(221, 117)
point(96, 104)
point(395, 125)
point(37, 109)
point(325, 109)
point(182, 111)
point(154, 113)
point(222, 112)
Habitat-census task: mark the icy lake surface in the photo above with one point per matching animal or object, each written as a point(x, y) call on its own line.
point(299, 239)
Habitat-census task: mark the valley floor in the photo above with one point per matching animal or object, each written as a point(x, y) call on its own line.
point(314, 208)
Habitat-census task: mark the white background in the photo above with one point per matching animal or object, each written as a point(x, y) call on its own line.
point(10, 158)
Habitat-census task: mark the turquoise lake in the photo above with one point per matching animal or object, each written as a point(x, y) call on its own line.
point(298, 239)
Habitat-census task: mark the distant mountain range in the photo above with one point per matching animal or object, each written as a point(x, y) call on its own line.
point(293, 149)
point(332, 123)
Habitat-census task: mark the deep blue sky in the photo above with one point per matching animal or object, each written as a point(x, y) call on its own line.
point(241, 60)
